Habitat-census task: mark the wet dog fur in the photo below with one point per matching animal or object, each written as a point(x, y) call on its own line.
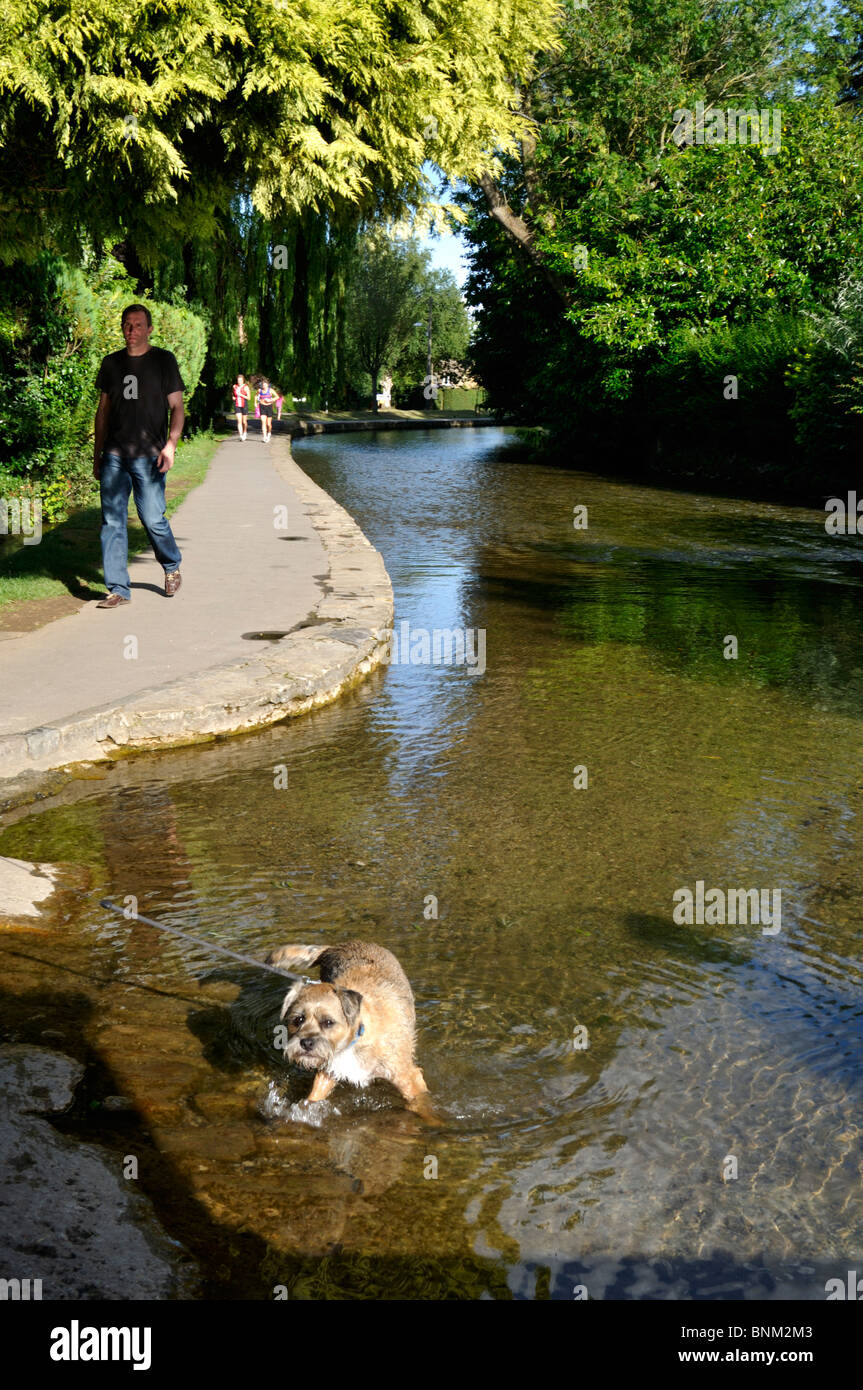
point(357, 1025)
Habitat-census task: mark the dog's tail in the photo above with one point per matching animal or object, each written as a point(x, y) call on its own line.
point(301, 955)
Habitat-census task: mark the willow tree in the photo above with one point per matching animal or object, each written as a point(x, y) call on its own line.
point(273, 291)
point(196, 138)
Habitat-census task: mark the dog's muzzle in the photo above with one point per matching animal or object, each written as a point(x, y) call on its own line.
point(311, 1053)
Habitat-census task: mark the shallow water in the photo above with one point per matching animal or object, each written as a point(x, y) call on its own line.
point(558, 1165)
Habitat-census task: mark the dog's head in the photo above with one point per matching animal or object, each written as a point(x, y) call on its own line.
point(320, 1021)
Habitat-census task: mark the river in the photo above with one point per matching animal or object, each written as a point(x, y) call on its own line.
point(634, 1106)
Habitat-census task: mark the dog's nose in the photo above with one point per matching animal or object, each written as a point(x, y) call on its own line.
point(307, 1044)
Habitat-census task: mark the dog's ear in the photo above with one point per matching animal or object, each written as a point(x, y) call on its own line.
point(350, 1001)
point(289, 999)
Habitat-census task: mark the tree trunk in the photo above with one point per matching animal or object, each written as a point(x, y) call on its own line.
point(375, 374)
point(519, 232)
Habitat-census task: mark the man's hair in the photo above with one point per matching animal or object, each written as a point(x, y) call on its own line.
point(136, 309)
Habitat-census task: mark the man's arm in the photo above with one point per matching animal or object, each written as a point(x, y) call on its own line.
point(175, 429)
point(100, 430)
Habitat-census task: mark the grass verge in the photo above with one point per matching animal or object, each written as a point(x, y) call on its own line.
point(68, 559)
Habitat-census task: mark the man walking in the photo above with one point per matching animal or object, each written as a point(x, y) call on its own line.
point(134, 448)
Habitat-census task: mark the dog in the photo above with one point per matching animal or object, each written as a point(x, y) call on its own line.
point(357, 1025)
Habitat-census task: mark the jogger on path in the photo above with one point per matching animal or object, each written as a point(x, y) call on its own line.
point(241, 394)
point(266, 398)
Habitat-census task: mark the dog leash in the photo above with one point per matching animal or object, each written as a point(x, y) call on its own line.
point(196, 941)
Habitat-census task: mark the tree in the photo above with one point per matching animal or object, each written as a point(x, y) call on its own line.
point(280, 291)
point(847, 54)
point(383, 302)
point(56, 324)
point(140, 120)
point(660, 265)
point(391, 289)
point(438, 295)
point(606, 91)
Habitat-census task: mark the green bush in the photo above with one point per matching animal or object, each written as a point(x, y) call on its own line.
point(458, 397)
point(57, 322)
point(724, 389)
point(827, 383)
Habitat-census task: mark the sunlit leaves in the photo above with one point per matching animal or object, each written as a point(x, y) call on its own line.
point(299, 103)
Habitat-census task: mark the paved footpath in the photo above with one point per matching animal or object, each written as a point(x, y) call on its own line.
point(243, 571)
point(266, 552)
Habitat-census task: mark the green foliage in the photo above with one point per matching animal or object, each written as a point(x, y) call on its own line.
point(719, 234)
point(848, 41)
point(146, 119)
point(677, 263)
point(827, 380)
point(391, 290)
point(724, 392)
point(56, 324)
point(277, 291)
point(184, 333)
point(202, 139)
point(439, 294)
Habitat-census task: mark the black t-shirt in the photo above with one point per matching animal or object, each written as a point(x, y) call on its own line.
point(138, 388)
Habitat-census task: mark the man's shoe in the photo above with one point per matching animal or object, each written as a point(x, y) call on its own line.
point(113, 601)
point(172, 583)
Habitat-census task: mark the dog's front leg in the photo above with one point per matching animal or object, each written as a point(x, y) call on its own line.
point(423, 1105)
point(417, 1096)
point(321, 1088)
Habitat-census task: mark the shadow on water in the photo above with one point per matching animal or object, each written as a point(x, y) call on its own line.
point(793, 633)
point(684, 943)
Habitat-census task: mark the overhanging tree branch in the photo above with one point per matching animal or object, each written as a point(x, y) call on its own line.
point(519, 232)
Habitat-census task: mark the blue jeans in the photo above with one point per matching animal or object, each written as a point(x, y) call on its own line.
point(118, 478)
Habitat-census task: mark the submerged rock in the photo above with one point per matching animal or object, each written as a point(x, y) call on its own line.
point(23, 886)
point(67, 1216)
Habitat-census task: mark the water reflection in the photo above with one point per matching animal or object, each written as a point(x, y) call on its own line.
point(553, 905)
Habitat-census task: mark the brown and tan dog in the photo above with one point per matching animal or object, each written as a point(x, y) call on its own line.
point(358, 1025)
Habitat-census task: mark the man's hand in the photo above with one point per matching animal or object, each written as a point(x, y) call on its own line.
point(165, 461)
point(97, 468)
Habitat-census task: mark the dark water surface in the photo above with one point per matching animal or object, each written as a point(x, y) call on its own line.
point(709, 1046)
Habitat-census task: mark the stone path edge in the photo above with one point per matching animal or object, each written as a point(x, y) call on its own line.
point(345, 638)
point(306, 427)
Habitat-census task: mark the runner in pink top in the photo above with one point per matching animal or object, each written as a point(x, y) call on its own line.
point(241, 394)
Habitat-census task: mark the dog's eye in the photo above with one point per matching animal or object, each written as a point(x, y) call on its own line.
point(297, 1020)
point(327, 1022)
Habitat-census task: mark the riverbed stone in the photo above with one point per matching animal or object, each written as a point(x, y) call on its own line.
point(67, 1217)
point(24, 887)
